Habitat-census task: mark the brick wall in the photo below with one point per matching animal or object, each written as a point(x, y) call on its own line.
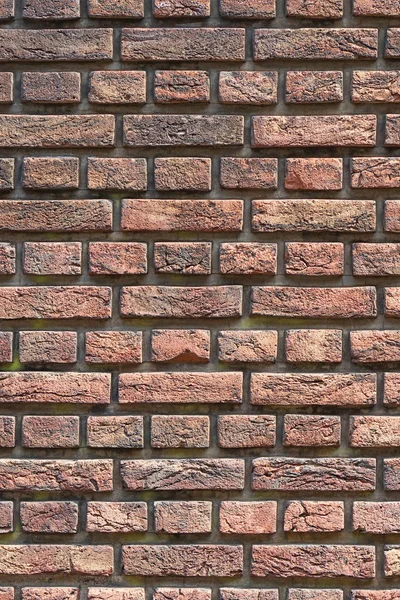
point(199, 301)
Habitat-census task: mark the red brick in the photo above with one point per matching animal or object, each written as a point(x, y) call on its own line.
point(7, 259)
point(6, 82)
point(391, 561)
point(376, 259)
point(391, 474)
point(182, 44)
point(391, 394)
point(182, 517)
point(249, 173)
point(181, 302)
point(372, 172)
point(52, 258)
point(181, 215)
point(306, 87)
point(6, 12)
point(7, 433)
point(313, 174)
point(49, 517)
point(113, 347)
point(392, 137)
point(313, 346)
point(251, 9)
point(314, 561)
point(183, 474)
point(376, 517)
point(180, 387)
point(118, 593)
point(317, 9)
point(183, 560)
point(248, 594)
point(51, 88)
point(192, 174)
point(308, 389)
point(117, 87)
point(123, 9)
point(51, 9)
point(116, 517)
point(181, 86)
point(247, 518)
point(374, 594)
point(246, 431)
point(180, 345)
point(311, 430)
point(115, 432)
point(374, 431)
point(392, 215)
point(176, 8)
point(375, 346)
point(182, 593)
point(313, 259)
point(185, 258)
point(392, 302)
point(51, 173)
point(50, 593)
point(248, 258)
point(175, 431)
point(6, 173)
point(376, 8)
point(117, 174)
point(56, 559)
point(313, 517)
point(317, 594)
point(6, 346)
point(247, 346)
point(248, 87)
point(117, 258)
point(375, 86)
point(6, 519)
point(50, 432)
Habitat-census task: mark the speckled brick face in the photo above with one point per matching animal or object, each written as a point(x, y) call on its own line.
point(199, 300)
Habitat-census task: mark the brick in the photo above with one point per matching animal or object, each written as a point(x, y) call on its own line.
point(181, 215)
point(313, 346)
point(392, 215)
point(248, 518)
point(117, 87)
point(316, 43)
point(51, 88)
point(6, 346)
point(6, 593)
point(182, 593)
point(314, 474)
point(113, 347)
point(183, 474)
point(163, 9)
point(376, 259)
point(248, 258)
point(252, 9)
point(118, 593)
point(6, 519)
point(52, 258)
point(56, 559)
point(249, 173)
point(6, 173)
point(56, 44)
point(181, 86)
point(319, 389)
point(181, 302)
point(7, 433)
point(391, 393)
point(313, 174)
point(182, 517)
point(247, 346)
point(375, 86)
point(316, 215)
point(50, 593)
point(193, 174)
point(55, 475)
point(115, 432)
point(372, 172)
point(314, 561)
point(183, 44)
point(376, 8)
point(375, 346)
point(117, 174)
point(7, 261)
point(307, 594)
point(315, 130)
point(6, 85)
point(175, 431)
point(62, 302)
point(49, 517)
point(374, 594)
point(306, 87)
point(6, 12)
point(117, 258)
point(313, 517)
point(376, 517)
point(116, 517)
point(248, 594)
point(248, 87)
point(182, 130)
point(180, 345)
point(374, 431)
point(56, 131)
point(50, 432)
point(51, 9)
point(315, 10)
point(392, 302)
point(123, 9)
point(51, 173)
point(391, 561)
point(311, 430)
point(313, 302)
point(183, 560)
point(246, 431)
point(314, 259)
point(54, 215)
point(47, 387)
point(180, 387)
point(392, 135)
point(391, 474)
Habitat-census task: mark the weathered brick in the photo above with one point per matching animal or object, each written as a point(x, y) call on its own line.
point(6, 85)
point(52, 258)
point(376, 517)
point(180, 387)
point(181, 302)
point(249, 173)
point(247, 346)
point(181, 86)
point(247, 518)
point(7, 260)
point(251, 9)
point(175, 431)
point(392, 302)
point(176, 8)
point(6, 593)
point(115, 432)
point(372, 172)
point(123, 9)
point(313, 517)
point(375, 86)
point(6, 174)
point(6, 518)
point(50, 593)
point(315, 258)
point(6, 346)
point(183, 44)
point(49, 517)
point(193, 174)
point(118, 593)
point(183, 517)
point(117, 87)
point(374, 431)
point(51, 173)
point(183, 561)
point(376, 259)
point(314, 474)
point(7, 433)
point(6, 12)
point(392, 135)
point(248, 87)
point(391, 561)
point(51, 88)
point(117, 174)
point(182, 593)
point(374, 594)
point(317, 594)
point(307, 389)
point(182, 130)
point(116, 517)
point(113, 347)
point(313, 346)
point(51, 9)
point(246, 431)
point(180, 345)
point(248, 594)
point(311, 430)
point(375, 346)
point(392, 215)
point(317, 9)
point(391, 390)
point(117, 258)
point(50, 432)
point(313, 174)
point(391, 474)
point(376, 8)
point(306, 87)
point(248, 258)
